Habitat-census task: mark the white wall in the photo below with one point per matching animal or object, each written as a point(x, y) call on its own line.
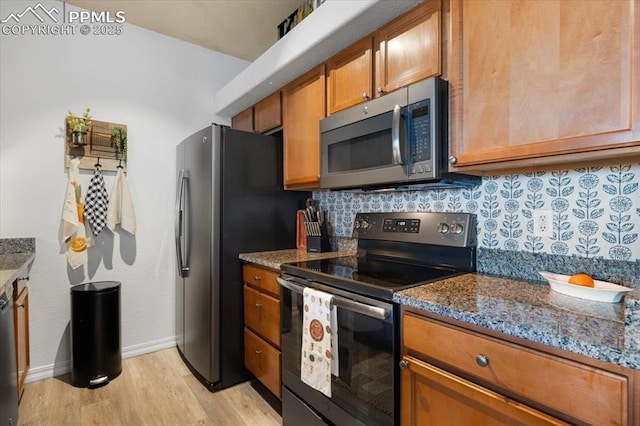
point(163, 89)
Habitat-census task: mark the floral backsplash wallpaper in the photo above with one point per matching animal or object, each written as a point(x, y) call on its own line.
point(595, 211)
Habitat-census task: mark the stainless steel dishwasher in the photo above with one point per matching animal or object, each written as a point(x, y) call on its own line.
point(8, 372)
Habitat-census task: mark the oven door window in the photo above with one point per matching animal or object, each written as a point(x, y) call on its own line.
point(364, 387)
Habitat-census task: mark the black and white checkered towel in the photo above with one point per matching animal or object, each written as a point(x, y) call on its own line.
point(95, 203)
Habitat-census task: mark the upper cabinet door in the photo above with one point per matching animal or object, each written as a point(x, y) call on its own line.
point(349, 76)
point(543, 78)
point(243, 120)
point(408, 49)
point(268, 113)
point(303, 105)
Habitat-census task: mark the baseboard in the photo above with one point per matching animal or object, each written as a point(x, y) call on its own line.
point(47, 371)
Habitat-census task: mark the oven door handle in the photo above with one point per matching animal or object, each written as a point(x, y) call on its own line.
point(341, 302)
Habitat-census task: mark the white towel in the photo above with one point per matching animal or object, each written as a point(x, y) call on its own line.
point(120, 209)
point(319, 340)
point(72, 228)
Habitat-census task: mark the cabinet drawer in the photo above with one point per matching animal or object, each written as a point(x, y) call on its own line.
point(585, 393)
point(261, 278)
point(431, 396)
point(263, 361)
point(262, 314)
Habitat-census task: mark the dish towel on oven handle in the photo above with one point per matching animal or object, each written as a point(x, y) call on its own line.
point(319, 340)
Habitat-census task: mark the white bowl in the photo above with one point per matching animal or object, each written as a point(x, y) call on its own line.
point(602, 291)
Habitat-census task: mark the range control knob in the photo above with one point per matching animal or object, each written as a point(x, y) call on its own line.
point(365, 224)
point(356, 224)
point(443, 228)
point(456, 228)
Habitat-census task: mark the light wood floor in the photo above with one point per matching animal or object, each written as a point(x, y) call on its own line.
point(153, 389)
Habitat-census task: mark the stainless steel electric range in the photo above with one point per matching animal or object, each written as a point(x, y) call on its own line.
point(396, 251)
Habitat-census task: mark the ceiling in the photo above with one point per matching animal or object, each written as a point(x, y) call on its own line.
point(241, 28)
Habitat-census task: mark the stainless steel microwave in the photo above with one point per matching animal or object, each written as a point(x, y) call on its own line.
point(398, 139)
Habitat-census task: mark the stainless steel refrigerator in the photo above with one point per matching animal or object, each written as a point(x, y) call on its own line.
point(229, 200)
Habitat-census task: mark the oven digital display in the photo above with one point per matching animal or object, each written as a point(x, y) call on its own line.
point(401, 225)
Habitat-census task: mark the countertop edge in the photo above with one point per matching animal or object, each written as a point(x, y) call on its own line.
point(16, 273)
point(273, 259)
point(625, 358)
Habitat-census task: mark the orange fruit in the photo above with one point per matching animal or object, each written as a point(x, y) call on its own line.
point(78, 244)
point(581, 279)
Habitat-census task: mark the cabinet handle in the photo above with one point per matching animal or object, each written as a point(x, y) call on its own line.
point(482, 360)
point(258, 305)
point(21, 306)
point(453, 160)
point(380, 90)
point(257, 277)
point(403, 365)
point(258, 352)
point(365, 96)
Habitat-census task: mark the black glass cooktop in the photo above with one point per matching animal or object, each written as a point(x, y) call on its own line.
point(370, 277)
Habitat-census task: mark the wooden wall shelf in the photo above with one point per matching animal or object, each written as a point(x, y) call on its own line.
point(100, 148)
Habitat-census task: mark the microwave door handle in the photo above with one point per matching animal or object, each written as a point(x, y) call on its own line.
point(395, 136)
point(341, 302)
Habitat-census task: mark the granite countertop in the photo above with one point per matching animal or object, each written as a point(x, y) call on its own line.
point(273, 259)
point(532, 311)
point(14, 266)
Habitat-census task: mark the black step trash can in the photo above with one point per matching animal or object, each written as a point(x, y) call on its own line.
point(96, 352)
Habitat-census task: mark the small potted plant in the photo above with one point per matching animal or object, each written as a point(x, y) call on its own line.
point(79, 126)
point(119, 136)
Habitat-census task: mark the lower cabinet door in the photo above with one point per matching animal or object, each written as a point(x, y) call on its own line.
point(263, 361)
point(21, 325)
point(431, 396)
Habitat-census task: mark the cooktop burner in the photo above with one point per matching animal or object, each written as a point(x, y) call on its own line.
point(397, 251)
point(372, 277)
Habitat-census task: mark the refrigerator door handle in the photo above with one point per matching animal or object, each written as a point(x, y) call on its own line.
point(184, 176)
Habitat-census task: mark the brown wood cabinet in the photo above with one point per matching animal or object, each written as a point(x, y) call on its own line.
point(263, 360)
point(350, 76)
point(262, 314)
point(21, 328)
point(476, 374)
point(267, 114)
point(402, 52)
point(303, 106)
point(543, 80)
point(432, 396)
point(262, 326)
point(243, 120)
point(408, 49)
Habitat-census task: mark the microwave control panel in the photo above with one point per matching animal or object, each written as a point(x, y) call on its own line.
point(420, 130)
point(424, 114)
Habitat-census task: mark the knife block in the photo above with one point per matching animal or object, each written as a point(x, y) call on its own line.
point(319, 243)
